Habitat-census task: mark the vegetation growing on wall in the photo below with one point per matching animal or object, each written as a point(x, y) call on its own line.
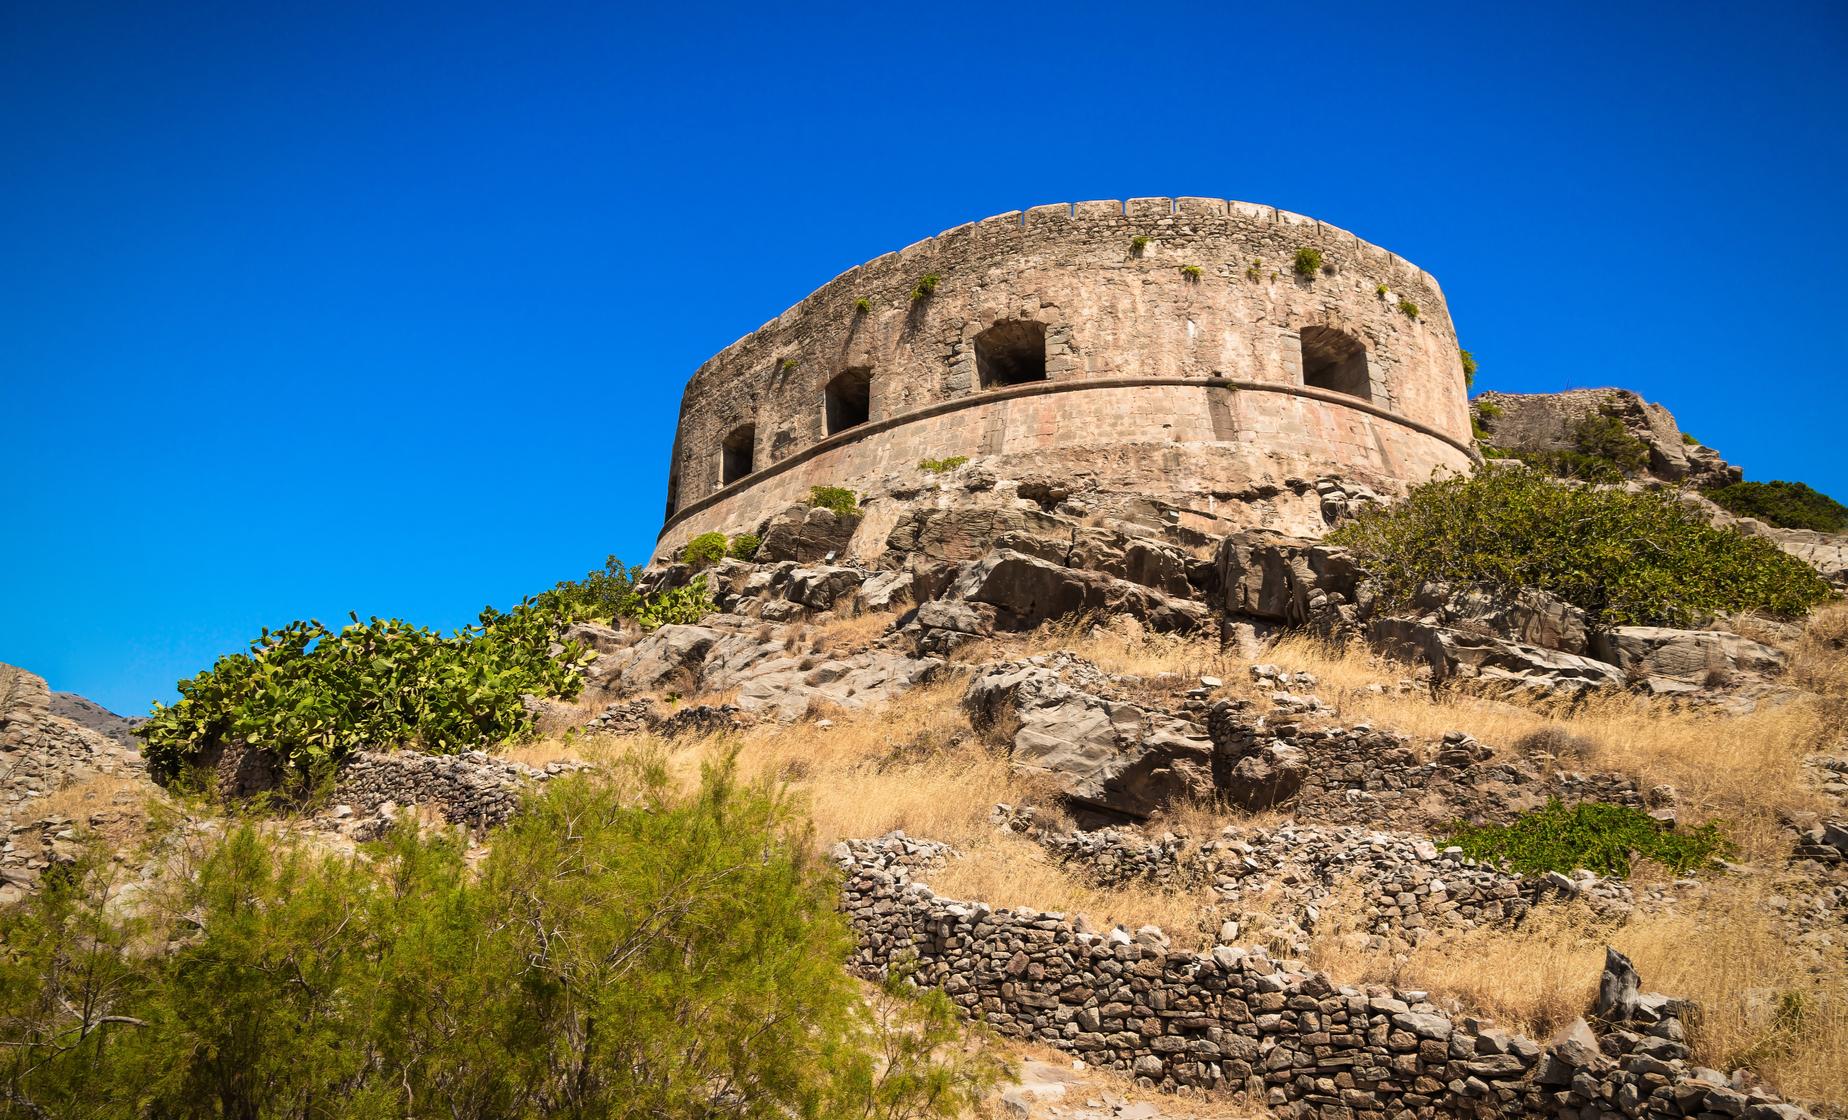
point(1792, 505)
point(622, 951)
point(704, 550)
point(1408, 309)
point(926, 286)
point(1137, 244)
point(942, 466)
point(744, 546)
point(1591, 835)
point(1626, 558)
point(1308, 262)
point(1469, 366)
point(1190, 273)
point(837, 498)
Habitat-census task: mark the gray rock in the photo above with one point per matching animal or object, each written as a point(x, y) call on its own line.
point(1617, 989)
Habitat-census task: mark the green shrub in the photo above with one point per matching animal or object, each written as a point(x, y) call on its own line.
point(942, 466)
point(1469, 367)
point(1308, 262)
point(926, 286)
point(1138, 243)
point(1408, 309)
point(1191, 272)
point(1380, 290)
point(837, 498)
point(1603, 451)
point(787, 365)
point(704, 550)
point(1592, 835)
point(621, 950)
point(1792, 505)
point(602, 593)
point(1689, 440)
point(1626, 558)
point(311, 696)
point(1255, 272)
point(678, 606)
point(862, 305)
point(744, 546)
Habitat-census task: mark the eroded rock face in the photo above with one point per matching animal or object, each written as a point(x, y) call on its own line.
point(806, 534)
point(1102, 751)
point(1512, 666)
point(1027, 590)
point(1697, 658)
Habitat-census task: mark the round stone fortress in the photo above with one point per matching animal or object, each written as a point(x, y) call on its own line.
point(1166, 353)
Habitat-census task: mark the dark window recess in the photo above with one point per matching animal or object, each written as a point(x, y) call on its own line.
point(1336, 361)
point(736, 454)
point(1011, 353)
point(673, 492)
point(848, 399)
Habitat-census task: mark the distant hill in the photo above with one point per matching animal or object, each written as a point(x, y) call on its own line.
point(85, 712)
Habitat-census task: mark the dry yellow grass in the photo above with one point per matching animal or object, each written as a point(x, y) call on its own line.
point(1759, 1004)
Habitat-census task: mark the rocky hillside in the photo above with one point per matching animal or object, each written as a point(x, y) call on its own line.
point(1243, 819)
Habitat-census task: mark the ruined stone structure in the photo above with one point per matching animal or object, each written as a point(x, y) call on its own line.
point(1170, 348)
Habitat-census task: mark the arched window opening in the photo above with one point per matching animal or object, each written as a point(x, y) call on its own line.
point(848, 399)
point(737, 453)
point(1336, 361)
point(1011, 353)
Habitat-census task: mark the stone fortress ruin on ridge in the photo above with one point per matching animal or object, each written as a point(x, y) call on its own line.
point(1167, 353)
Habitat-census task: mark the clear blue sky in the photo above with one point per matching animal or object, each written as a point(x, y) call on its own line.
point(387, 307)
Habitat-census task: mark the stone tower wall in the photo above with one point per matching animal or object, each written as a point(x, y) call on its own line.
point(1193, 382)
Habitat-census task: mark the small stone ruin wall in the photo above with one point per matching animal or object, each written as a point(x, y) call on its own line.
point(473, 789)
point(1234, 1020)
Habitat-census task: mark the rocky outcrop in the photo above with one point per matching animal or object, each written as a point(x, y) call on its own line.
point(1105, 752)
point(806, 534)
point(1028, 590)
point(43, 753)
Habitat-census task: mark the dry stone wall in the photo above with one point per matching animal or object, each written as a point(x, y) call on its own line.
point(1241, 371)
point(1234, 1020)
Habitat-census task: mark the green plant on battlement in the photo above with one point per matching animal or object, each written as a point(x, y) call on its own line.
point(1591, 835)
point(837, 498)
point(862, 305)
point(1191, 272)
point(926, 286)
point(787, 365)
point(1380, 290)
point(1138, 243)
point(942, 466)
point(1408, 309)
point(1308, 262)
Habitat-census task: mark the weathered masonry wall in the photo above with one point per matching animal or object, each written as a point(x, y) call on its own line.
point(1234, 1020)
point(1210, 293)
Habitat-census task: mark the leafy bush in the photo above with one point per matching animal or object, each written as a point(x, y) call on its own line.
point(1592, 835)
point(1792, 505)
point(1191, 272)
point(623, 950)
point(1408, 309)
point(605, 592)
point(1469, 366)
point(837, 498)
point(1626, 558)
point(942, 466)
point(744, 546)
point(704, 550)
point(676, 606)
point(311, 696)
point(1308, 262)
point(926, 286)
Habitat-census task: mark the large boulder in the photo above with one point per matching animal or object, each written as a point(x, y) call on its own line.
point(1027, 590)
point(1528, 616)
point(1267, 575)
point(1701, 658)
point(669, 657)
point(1508, 666)
point(1103, 752)
point(806, 534)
